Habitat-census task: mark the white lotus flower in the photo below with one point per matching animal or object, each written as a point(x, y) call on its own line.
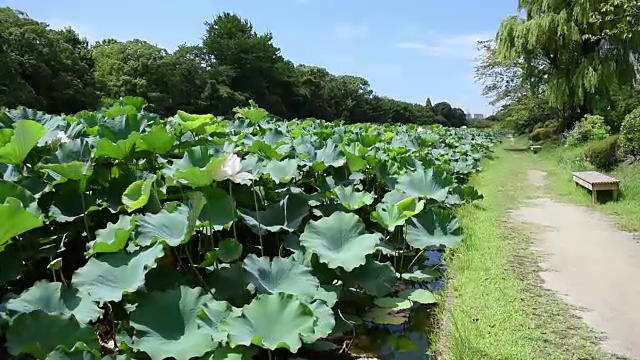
point(62, 137)
point(231, 169)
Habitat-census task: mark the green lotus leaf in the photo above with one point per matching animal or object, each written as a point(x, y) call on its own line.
point(167, 324)
point(78, 353)
point(281, 171)
point(323, 324)
point(9, 189)
point(116, 150)
point(214, 317)
point(15, 144)
point(113, 238)
point(253, 113)
point(281, 275)
point(433, 227)
point(236, 353)
point(422, 296)
point(230, 250)
point(171, 225)
point(157, 140)
point(219, 211)
point(230, 284)
point(392, 303)
point(352, 199)
point(68, 201)
point(460, 194)
point(265, 150)
point(430, 183)
point(339, 240)
point(385, 316)
point(107, 277)
point(196, 168)
point(137, 194)
point(392, 215)
point(57, 332)
point(329, 156)
point(424, 275)
point(210, 258)
point(12, 265)
point(284, 215)
point(15, 220)
point(374, 278)
point(72, 160)
point(257, 324)
point(54, 299)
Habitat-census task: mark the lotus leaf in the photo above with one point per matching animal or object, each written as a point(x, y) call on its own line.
point(167, 324)
point(339, 240)
point(433, 227)
point(295, 320)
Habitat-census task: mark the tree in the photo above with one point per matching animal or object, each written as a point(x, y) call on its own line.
point(258, 70)
point(502, 79)
point(46, 69)
point(135, 68)
point(564, 47)
point(453, 116)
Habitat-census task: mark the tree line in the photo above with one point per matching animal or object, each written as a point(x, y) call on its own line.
point(58, 71)
point(563, 60)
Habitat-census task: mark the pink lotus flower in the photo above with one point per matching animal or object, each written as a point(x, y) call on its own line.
point(231, 169)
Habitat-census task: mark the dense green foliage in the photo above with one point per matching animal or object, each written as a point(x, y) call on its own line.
point(603, 154)
point(195, 236)
point(57, 71)
point(630, 134)
point(591, 128)
point(563, 60)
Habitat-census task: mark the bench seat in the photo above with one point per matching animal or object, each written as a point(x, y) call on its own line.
point(595, 182)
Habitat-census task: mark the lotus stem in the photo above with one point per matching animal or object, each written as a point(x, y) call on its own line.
point(416, 258)
point(404, 244)
point(255, 202)
point(195, 270)
point(84, 216)
point(233, 223)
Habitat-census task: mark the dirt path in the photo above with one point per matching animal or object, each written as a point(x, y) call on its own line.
point(591, 264)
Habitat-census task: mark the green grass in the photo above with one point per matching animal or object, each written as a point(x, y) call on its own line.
point(495, 307)
point(559, 161)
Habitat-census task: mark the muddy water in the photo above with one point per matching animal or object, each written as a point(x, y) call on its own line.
point(409, 341)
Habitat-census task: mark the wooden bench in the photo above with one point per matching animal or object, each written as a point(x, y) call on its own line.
point(536, 148)
point(595, 182)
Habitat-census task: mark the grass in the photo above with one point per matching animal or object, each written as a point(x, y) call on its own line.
point(496, 307)
point(559, 161)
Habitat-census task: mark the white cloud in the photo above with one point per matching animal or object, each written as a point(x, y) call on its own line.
point(412, 45)
point(449, 45)
point(348, 31)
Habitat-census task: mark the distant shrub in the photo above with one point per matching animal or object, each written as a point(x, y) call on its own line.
point(591, 128)
point(603, 154)
point(552, 125)
point(541, 134)
point(630, 134)
point(481, 123)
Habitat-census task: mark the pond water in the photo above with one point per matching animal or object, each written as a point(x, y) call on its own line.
point(407, 341)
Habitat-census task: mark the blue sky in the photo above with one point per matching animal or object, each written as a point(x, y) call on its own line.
point(407, 49)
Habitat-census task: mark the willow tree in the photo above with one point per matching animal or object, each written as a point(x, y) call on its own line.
point(573, 49)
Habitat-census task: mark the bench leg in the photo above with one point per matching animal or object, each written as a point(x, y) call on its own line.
point(594, 196)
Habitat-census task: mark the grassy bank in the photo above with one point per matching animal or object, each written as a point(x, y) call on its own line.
point(559, 161)
point(496, 308)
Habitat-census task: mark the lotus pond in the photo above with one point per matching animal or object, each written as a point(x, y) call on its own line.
point(129, 236)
